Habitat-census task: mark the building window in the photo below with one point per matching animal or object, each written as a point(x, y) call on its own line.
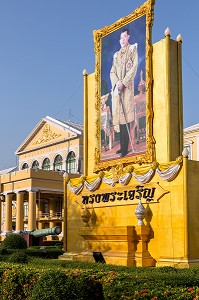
point(25, 209)
point(46, 164)
point(25, 166)
point(71, 163)
point(58, 162)
point(35, 165)
point(46, 209)
point(59, 208)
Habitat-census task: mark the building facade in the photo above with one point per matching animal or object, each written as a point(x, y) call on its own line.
point(32, 194)
point(191, 141)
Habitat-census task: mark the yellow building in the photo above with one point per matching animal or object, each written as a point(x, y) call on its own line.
point(191, 141)
point(32, 196)
point(141, 209)
point(138, 209)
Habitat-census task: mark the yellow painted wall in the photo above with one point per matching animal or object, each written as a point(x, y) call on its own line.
point(193, 208)
point(166, 123)
point(91, 123)
point(166, 219)
point(51, 151)
point(28, 178)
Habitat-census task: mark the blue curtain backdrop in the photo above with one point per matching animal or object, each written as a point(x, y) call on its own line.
point(110, 45)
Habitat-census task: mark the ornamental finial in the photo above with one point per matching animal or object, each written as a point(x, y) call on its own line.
point(167, 32)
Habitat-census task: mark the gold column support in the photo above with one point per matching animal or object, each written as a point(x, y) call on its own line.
point(8, 213)
point(20, 212)
point(65, 176)
point(185, 202)
point(52, 211)
point(32, 210)
point(85, 76)
point(40, 225)
point(0, 213)
point(37, 210)
point(168, 91)
point(179, 40)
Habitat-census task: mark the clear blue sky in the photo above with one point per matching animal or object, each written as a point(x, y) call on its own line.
point(46, 44)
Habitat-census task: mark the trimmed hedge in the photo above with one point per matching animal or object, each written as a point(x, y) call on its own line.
point(16, 282)
point(77, 280)
point(48, 253)
point(58, 285)
point(14, 241)
point(19, 283)
point(19, 256)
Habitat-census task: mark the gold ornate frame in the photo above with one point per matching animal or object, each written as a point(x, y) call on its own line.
point(146, 9)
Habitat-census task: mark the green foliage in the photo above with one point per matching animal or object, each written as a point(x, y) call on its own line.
point(3, 251)
point(16, 282)
point(14, 241)
point(52, 285)
point(19, 256)
point(56, 279)
point(47, 252)
point(55, 243)
point(58, 285)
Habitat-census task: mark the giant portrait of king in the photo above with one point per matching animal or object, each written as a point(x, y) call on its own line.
point(123, 90)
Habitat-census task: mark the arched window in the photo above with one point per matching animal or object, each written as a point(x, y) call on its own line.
point(71, 163)
point(25, 166)
point(58, 163)
point(35, 164)
point(46, 164)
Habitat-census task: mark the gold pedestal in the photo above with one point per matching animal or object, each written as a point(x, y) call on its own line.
point(142, 255)
point(116, 244)
point(119, 245)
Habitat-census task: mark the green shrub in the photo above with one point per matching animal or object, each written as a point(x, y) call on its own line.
point(14, 241)
point(19, 256)
point(52, 285)
point(53, 243)
point(3, 251)
point(16, 282)
point(49, 253)
point(58, 285)
point(84, 281)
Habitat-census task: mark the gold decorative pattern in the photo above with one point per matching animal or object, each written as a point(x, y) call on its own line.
point(47, 135)
point(149, 156)
point(117, 172)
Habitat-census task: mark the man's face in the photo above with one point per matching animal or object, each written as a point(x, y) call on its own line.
point(124, 39)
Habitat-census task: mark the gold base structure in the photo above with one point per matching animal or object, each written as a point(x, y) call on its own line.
point(120, 245)
point(115, 189)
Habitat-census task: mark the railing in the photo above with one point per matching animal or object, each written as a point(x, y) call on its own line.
point(49, 216)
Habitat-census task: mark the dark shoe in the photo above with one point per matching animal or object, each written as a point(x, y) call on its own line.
point(124, 153)
point(119, 151)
